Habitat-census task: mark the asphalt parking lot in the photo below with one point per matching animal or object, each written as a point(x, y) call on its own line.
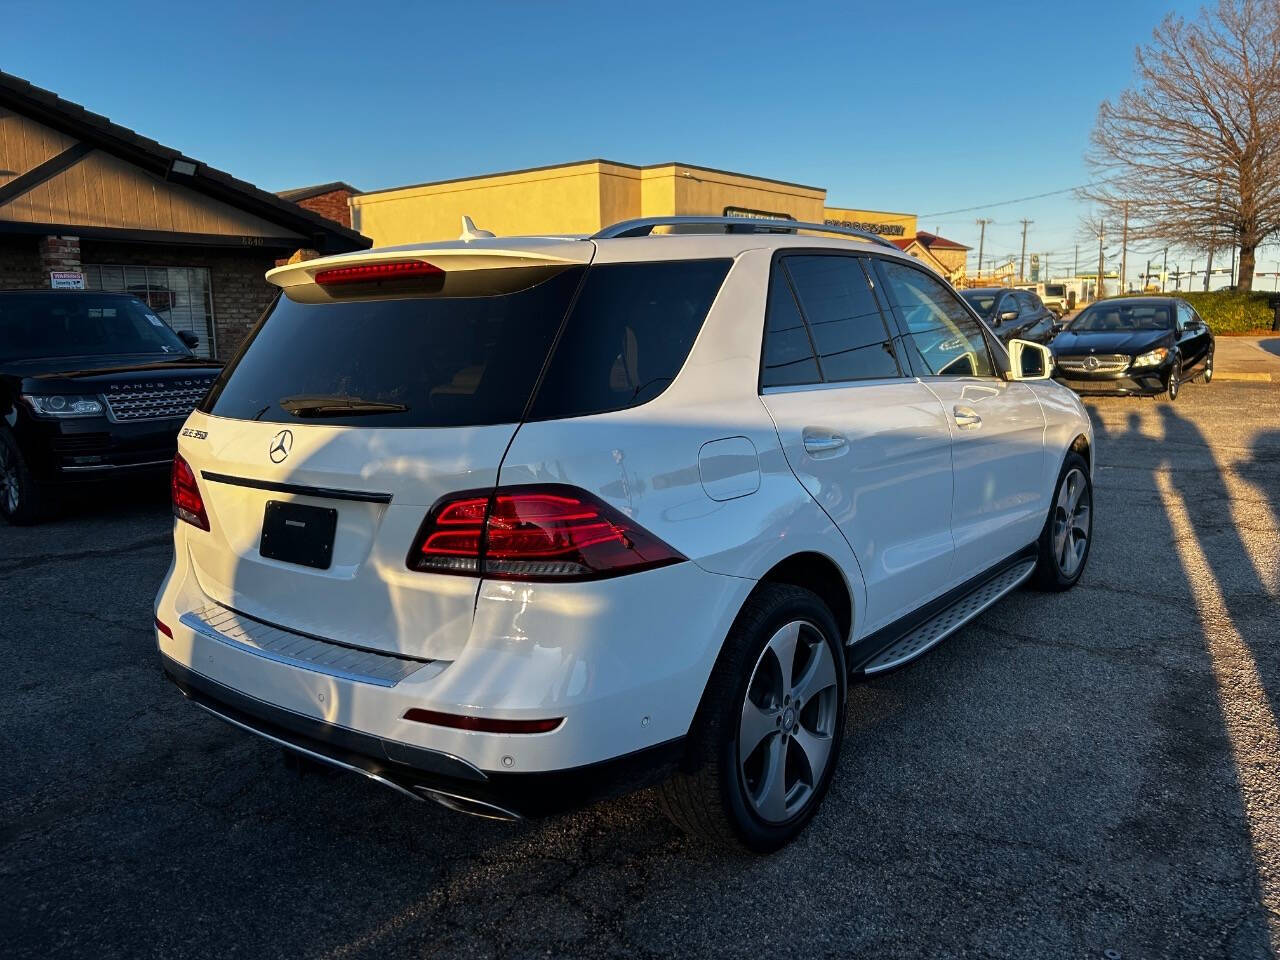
point(1069, 775)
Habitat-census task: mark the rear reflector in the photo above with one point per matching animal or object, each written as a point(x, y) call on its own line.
point(188, 505)
point(482, 724)
point(545, 532)
point(164, 628)
point(366, 272)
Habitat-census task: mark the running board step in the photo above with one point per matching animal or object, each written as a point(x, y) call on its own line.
point(933, 631)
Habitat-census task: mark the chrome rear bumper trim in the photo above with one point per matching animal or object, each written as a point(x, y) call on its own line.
point(309, 753)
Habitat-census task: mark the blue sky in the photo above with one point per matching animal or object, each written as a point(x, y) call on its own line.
point(924, 107)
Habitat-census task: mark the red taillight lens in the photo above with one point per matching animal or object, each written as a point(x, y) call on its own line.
point(188, 505)
point(365, 272)
point(535, 533)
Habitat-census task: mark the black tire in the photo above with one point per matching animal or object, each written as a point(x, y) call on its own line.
point(1207, 375)
point(709, 799)
point(1172, 386)
point(1051, 572)
point(23, 501)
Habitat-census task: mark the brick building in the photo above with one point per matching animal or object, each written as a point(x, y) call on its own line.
point(330, 200)
point(82, 196)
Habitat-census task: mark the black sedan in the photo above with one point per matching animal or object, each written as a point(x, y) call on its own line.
point(1146, 346)
point(92, 385)
point(1012, 313)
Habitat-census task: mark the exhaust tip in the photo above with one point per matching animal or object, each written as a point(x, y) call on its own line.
point(469, 806)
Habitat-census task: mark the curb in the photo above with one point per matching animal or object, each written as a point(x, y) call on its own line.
point(1251, 377)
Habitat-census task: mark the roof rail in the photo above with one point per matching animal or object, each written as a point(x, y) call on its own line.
point(644, 226)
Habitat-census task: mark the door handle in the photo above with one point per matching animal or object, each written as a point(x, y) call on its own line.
point(967, 418)
point(823, 442)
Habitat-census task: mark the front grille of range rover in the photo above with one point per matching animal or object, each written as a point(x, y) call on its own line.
point(156, 399)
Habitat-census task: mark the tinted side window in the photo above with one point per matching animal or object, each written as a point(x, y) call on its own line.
point(1029, 302)
point(848, 330)
point(788, 351)
point(628, 335)
point(945, 340)
point(1185, 315)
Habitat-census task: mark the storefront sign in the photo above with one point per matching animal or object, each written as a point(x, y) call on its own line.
point(748, 214)
point(65, 280)
point(882, 229)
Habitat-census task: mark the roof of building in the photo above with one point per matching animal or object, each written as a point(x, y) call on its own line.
point(94, 129)
point(612, 163)
point(930, 241)
point(306, 193)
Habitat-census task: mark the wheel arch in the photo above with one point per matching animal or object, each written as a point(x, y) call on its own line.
point(821, 575)
point(1082, 446)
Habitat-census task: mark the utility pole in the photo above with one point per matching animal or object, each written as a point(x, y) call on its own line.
point(1217, 203)
point(1022, 262)
point(1124, 248)
point(1164, 271)
point(1102, 230)
point(982, 240)
point(1191, 275)
point(1233, 262)
point(1075, 264)
point(1146, 277)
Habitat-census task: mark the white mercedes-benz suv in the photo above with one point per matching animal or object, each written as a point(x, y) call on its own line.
point(512, 524)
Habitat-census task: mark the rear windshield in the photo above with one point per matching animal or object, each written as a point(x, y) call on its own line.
point(470, 361)
point(38, 326)
point(1055, 290)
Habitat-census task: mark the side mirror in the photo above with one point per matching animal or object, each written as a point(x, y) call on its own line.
point(189, 338)
point(1029, 361)
point(1007, 316)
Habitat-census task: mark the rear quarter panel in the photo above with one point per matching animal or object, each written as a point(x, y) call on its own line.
point(646, 461)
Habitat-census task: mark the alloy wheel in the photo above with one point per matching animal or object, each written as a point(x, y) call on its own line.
point(1072, 522)
point(786, 732)
point(8, 480)
point(1208, 369)
point(1175, 381)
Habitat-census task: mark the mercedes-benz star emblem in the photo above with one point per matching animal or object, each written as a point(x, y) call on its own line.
point(281, 444)
point(1090, 363)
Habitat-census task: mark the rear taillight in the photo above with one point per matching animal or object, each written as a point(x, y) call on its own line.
point(366, 272)
point(535, 533)
point(188, 505)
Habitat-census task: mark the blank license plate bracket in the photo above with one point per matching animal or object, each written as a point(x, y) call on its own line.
point(298, 533)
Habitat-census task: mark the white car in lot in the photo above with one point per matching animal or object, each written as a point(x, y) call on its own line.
point(516, 523)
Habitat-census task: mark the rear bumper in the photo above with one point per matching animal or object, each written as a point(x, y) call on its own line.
point(428, 774)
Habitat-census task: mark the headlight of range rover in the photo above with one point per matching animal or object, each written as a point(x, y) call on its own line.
point(60, 406)
point(1151, 358)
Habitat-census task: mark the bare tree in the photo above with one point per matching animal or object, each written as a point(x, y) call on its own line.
point(1194, 146)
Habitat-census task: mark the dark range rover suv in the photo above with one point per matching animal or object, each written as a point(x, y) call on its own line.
point(92, 385)
point(1148, 346)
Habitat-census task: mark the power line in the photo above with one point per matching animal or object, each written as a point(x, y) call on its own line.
point(1005, 203)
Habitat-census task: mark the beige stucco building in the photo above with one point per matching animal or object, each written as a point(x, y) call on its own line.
point(584, 197)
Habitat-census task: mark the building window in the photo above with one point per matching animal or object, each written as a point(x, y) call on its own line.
point(181, 296)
